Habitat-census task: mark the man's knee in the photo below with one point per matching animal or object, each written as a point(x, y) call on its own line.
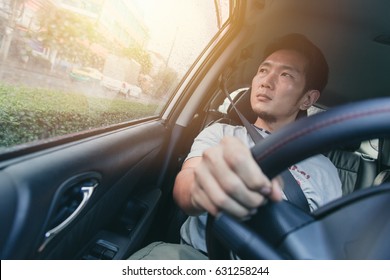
point(167, 251)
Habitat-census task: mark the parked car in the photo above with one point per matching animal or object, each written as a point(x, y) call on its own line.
point(85, 74)
point(103, 188)
point(123, 88)
point(132, 90)
point(113, 84)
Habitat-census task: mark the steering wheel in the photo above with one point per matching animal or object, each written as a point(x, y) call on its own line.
point(352, 227)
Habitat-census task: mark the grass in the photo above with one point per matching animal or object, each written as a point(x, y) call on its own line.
point(31, 114)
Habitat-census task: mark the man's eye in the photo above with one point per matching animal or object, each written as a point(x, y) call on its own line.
point(262, 70)
point(284, 74)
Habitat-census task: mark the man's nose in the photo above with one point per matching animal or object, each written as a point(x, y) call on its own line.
point(268, 81)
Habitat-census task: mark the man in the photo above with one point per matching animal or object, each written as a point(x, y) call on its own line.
point(220, 173)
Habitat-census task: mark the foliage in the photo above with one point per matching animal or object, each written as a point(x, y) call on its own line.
point(69, 34)
point(28, 114)
point(167, 78)
point(140, 55)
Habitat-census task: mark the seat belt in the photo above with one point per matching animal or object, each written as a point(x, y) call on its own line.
point(291, 188)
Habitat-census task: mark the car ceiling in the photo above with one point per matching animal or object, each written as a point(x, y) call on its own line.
point(346, 31)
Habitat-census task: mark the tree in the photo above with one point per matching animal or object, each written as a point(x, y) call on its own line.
point(139, 54)
point(15, 9)
point(67, 35)
point(168, 79)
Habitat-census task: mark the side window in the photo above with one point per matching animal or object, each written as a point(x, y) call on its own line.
point(70, 66)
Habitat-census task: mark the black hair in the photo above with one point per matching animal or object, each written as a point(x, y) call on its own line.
point(317, 69)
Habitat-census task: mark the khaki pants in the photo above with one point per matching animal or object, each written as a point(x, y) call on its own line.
point(167, 251)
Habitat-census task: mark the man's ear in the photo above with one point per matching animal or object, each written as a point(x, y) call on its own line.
point(309, 99)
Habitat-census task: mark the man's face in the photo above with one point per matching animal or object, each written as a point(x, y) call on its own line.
point(278, 87)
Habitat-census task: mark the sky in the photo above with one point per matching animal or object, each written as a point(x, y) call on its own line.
point(179, 29)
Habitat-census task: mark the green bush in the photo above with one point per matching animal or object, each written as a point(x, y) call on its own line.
point(31, 114)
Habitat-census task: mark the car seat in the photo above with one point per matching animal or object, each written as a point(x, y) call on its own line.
point(383, 162)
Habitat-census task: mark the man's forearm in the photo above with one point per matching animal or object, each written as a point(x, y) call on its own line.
point(182, 192)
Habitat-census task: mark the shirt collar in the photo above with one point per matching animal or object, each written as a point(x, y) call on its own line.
point(261, 129)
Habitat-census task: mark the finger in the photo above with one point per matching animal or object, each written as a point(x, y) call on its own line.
point(229, 182)
point(276, 193)
point(207, 183)
point(241, 161)
point(253, 177)
point(201, 201)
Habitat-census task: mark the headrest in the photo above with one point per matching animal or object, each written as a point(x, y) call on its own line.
point(243, 104)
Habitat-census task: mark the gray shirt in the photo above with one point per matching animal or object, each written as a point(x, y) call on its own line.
point(316, 175)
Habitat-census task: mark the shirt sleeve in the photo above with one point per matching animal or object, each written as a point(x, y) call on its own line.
point(209, 137)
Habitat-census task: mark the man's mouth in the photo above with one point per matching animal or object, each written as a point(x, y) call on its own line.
point(263, 97)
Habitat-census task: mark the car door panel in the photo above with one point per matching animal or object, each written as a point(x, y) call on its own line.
point(126, 235)
point(117, 161)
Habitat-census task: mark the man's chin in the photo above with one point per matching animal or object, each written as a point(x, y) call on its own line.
point(265, 116)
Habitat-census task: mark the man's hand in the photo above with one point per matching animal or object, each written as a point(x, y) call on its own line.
point(225, 178)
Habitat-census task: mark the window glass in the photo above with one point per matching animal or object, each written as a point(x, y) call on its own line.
point(69, 66)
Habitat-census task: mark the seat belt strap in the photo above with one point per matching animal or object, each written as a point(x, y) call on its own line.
point(256, 137)
point(293, 191)
point(291, 188)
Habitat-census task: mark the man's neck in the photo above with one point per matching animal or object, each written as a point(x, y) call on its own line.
point(270, 126)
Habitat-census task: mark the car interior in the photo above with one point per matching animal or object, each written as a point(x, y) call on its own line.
point(106, 194)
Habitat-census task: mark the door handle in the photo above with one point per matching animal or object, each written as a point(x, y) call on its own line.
point(49, 235)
